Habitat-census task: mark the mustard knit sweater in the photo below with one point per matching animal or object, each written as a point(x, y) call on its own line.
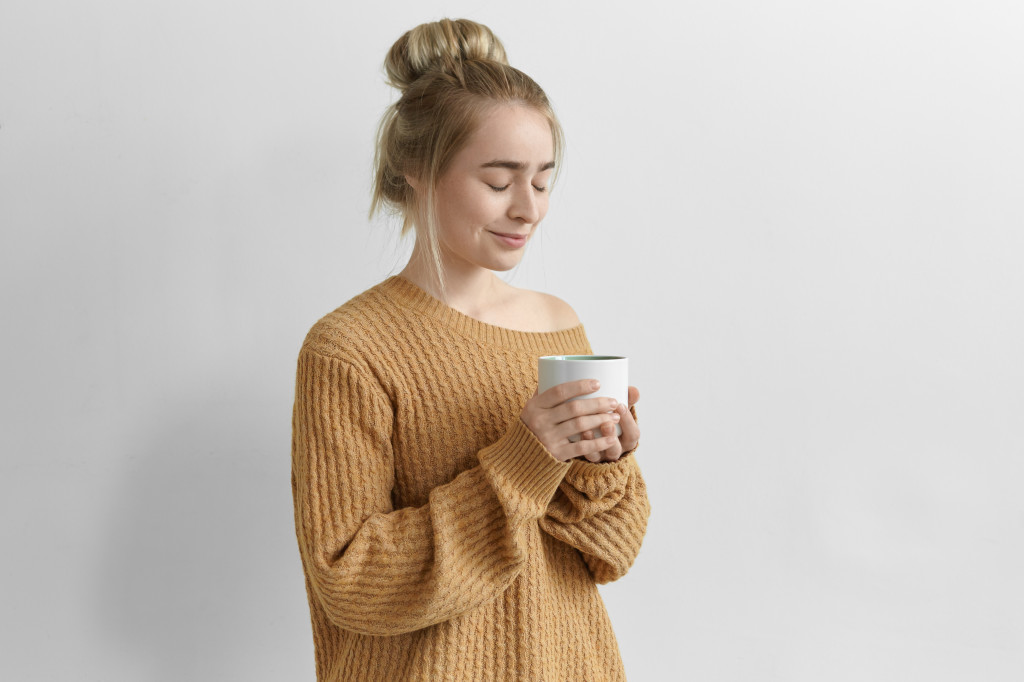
point(440, 540)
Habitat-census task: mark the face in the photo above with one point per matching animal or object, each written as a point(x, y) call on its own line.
point(495, 193)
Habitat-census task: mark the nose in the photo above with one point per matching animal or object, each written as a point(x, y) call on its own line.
point(524, 206)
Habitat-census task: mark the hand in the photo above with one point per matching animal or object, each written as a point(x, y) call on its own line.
point(630, 431)
point(553, 416)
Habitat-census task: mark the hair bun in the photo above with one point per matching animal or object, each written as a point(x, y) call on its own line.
point(440, 46)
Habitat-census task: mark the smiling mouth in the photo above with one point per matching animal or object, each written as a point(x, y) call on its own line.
point(517, 241)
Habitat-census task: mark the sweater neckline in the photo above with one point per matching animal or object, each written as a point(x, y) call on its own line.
point(410, 295)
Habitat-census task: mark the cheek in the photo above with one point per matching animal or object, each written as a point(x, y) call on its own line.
point(471, 203)
point(484, 207)
point(459, 207)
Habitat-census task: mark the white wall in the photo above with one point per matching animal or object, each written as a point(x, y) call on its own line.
point(802, 220)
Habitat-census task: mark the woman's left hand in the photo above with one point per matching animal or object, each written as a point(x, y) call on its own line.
point(630, 432)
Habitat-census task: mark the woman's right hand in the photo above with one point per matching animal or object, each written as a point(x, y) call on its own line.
point(553, 416)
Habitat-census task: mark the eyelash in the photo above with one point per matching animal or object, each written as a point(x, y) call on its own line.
point(502, 189)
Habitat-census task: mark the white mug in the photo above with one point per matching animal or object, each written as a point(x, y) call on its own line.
point(611, 370)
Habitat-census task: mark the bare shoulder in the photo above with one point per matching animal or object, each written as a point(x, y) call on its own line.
point(560, 314)
point(532, 311)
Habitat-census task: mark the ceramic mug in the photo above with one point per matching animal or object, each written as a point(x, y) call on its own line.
point(611, 370)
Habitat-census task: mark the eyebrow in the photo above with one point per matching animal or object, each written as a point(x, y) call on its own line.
point(515, 165)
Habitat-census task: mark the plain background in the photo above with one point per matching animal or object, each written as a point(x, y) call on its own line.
point(802, 220)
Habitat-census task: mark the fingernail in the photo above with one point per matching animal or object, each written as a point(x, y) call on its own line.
point(595, 385)
point(614, 404)
point(615, 417)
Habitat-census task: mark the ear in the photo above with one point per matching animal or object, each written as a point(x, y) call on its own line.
point(413, 182)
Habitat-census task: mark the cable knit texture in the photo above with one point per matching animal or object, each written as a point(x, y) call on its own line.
point(440, 539)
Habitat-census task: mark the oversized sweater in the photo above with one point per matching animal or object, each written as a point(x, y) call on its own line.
point(439, 538)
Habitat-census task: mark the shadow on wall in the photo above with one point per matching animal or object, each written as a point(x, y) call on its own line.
point(201, 577)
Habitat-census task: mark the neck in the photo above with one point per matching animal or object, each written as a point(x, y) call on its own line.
point(469, 289)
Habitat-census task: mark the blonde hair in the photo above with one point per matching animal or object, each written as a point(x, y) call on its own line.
point(450, 73)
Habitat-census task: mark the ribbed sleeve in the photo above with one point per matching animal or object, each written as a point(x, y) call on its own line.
point(380, 571)
point(601, 509)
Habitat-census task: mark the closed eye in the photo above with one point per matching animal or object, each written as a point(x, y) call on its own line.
point(502, 189)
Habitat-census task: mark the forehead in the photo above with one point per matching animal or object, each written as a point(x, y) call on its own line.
point(513, 133)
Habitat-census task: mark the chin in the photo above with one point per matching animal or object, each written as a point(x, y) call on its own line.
point(504, 265)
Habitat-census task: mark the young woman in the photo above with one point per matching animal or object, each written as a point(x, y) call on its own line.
point(448, 528)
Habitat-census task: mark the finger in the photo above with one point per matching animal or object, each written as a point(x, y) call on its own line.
point(584, 423)
point(591, 449)
point(634, 395)
point(556, 395)
point(611, 455)
point(615, 451)
point(625, 415)
point(630, 430)
point(608, 429)
point(574, 409)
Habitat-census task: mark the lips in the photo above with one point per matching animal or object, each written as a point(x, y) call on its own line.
point(513, 240)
